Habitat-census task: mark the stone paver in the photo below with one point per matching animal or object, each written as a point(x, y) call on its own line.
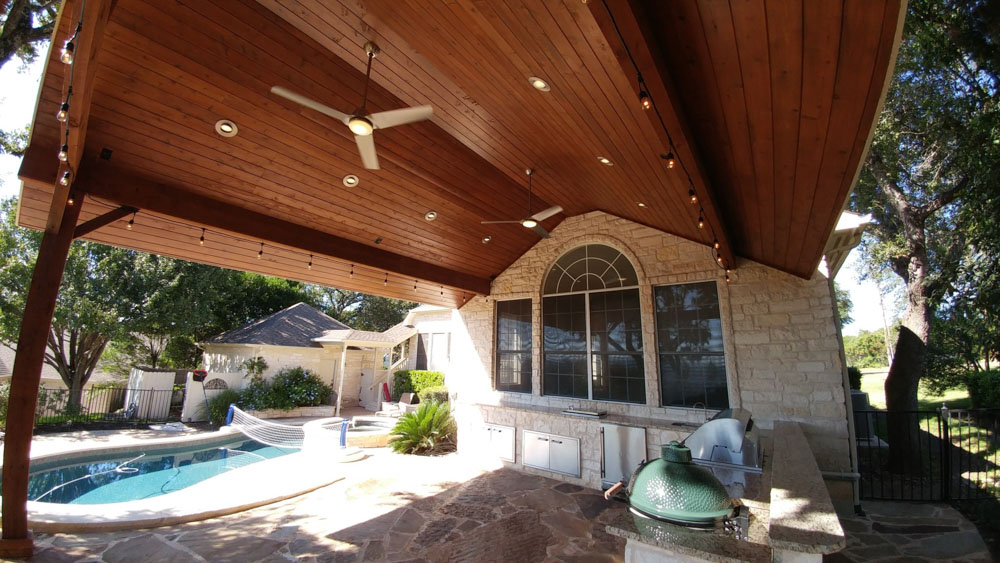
point(896, 531)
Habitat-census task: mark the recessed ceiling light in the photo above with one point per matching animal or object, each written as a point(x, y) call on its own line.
point(351, 180)
point(431, 215)
point(539, 84)
point(640, 204)
point(605, 161)
point(226, 128)
point(487, 239)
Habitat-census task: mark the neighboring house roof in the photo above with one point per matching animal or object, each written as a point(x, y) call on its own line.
point(422, 309)
point(297, 326)
point(7, 354)
point(847, 234)
point(390, 337)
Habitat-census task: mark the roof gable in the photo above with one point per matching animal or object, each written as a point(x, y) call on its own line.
point(295, 326)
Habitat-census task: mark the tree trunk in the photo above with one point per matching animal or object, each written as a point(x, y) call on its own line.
point(907, 368)
point(75, 395)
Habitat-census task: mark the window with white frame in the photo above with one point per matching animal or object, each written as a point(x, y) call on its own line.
point(592, 329)
point(689, 344)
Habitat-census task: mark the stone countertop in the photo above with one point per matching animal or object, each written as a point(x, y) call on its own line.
point(700, 544)
point(658, 423)
point(802, 515)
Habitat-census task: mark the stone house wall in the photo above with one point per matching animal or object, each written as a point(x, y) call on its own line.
point(780, 339)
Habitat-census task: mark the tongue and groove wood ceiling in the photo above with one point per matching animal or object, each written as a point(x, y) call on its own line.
point(769, 104)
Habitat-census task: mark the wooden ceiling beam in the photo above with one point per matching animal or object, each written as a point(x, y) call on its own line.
point(629, 18)
point(79, 76)
point(102, 220)
point(104, 181)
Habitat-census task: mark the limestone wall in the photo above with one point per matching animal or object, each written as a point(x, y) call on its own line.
point(781, 348)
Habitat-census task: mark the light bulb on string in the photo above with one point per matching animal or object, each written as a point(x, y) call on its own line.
point(715, 244)
point(442, 291)
point(201, 241)
point(71, 200)
point(644, 100)
point(64, 181)
point(386, 280)
point(693, 196)
point(63, 114)
point(671, 160)
point(701, 221)
point(63, 153)
point(414, 285)
point(310, 261)
point(66, 55)
point(352, 271)
point(260, 253)
point(130, 222)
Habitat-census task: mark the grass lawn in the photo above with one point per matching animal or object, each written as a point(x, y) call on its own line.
point(873, 383)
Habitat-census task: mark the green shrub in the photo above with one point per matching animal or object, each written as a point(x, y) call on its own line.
point(429, 430)
point(854, 377)
point(984, 388)
point(256, 396)
point(438, 393)
point(414, 381)
point(4, 398)
point(297, 387)
point(218, 406)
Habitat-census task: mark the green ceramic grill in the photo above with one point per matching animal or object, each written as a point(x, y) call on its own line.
point(673, 489)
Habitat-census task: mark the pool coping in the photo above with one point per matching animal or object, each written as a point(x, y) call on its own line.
point(234, 491)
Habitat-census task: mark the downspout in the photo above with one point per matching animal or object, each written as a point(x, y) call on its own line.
point(340, 383)
point(848, 403)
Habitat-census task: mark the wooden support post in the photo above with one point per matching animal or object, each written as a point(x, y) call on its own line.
point(340, 383)
point(25, 377)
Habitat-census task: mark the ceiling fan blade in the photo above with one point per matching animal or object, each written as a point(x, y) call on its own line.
point(366, 146)
point(541, 231)
point(546, 213)
point(392, 118)
point(311, 104)
point(497, 222)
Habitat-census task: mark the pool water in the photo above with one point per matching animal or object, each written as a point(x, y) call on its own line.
point(152, 475)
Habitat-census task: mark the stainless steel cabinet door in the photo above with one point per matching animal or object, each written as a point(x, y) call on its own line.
point(536, 450)
point(564, 455)
point(501, 441)
point(623, 448)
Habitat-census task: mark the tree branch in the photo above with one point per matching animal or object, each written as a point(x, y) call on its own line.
point(944, 198)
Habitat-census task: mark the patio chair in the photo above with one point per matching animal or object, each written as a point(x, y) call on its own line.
point(406, 404)
point(127, 414)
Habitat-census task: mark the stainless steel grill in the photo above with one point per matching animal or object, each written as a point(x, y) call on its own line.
point(729, 445)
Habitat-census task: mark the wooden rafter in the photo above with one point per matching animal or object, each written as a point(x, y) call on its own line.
point(102, 220)
point(80, 75)
point(101, 180)
point(643, 44)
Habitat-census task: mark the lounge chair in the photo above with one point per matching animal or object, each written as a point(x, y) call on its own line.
point(406, 404)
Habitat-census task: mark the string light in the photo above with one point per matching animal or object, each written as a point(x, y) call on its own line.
point(352, 271)
point(66, 55)
point(671, 160)
point(310, 261)
point(442, 290)
point(131, 222)
point(63, 114)
point(260, 253)
point(693, 196)
point(715, 244)
point(414, 285)
point(701, 220)
point(63, 153)
point(644, 100)
point(386, 280)
point(71, 199)
point(64, 181)
point(201, 241)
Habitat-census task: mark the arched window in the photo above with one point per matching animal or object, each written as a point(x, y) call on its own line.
point(592, 329)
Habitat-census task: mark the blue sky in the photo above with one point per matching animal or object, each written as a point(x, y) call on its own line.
point(19, 88)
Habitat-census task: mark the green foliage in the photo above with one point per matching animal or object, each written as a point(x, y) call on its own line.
point(182, 352)
point(854, 377)
point(4, 399)
point(984, 388)
point(866, 350)
point(360, 310)
point(13, 142)
point(297, 387)
point(844, 304)
point(218, 405)
point(414, 381)
point(437, 393)
point(254, 367)
point(429, 430)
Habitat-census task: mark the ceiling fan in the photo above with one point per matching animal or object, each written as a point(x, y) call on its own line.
point(361, 123)
point(532, 221)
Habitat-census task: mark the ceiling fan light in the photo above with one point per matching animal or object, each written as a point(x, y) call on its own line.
point(529, 223)
point(360, 125)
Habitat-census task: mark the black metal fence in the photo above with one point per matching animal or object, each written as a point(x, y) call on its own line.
point(105, 405)
point(946, 454)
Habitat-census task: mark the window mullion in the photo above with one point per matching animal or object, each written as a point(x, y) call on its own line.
point(590, 354)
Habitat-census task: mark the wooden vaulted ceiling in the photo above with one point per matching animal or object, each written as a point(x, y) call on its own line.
point(769, 106)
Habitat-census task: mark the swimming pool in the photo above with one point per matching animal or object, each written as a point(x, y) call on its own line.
point(141, 475)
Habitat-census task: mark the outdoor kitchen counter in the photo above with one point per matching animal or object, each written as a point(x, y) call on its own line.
point(681, 426)
point(648, 537)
